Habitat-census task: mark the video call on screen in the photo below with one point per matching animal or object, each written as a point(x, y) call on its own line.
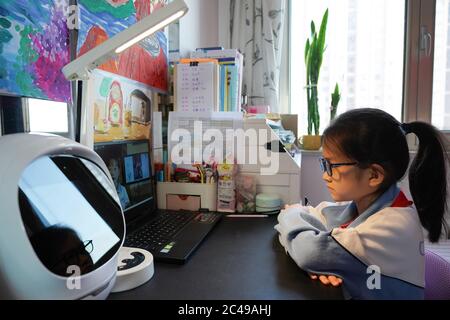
point(129, 164)
point(136, 167)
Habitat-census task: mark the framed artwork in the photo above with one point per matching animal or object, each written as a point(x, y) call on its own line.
point(145, 62)
point(34, 46)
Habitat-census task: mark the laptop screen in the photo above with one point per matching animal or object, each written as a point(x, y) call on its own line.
point(129, 163)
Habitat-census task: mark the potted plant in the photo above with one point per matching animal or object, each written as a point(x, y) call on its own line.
point(314, 50)
point(335, 97)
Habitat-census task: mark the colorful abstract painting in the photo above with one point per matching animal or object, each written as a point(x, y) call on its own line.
point(145, 62)
point(33, 49)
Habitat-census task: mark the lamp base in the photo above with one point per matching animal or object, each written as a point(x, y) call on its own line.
point(135, 268)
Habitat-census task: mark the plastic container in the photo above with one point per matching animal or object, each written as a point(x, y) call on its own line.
point(268, 203)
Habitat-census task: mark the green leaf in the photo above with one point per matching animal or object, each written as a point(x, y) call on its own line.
point(335, 96)
point(307, 46)
point(323, 30)
point(314, 50)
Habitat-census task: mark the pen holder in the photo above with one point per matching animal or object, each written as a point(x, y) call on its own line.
point(186, 196)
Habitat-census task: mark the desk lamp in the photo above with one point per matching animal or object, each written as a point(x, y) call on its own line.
point(80, 68)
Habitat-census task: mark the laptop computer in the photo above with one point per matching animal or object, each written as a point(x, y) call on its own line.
point(171, 236)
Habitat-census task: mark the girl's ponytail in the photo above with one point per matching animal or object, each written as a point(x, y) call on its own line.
point(428, 177)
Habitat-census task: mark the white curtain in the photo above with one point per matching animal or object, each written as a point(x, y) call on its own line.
point(257, 30)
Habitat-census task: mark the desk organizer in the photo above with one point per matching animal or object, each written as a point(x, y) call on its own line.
point(190, 195)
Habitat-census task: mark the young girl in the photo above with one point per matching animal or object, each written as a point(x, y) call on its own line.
point(374, 245)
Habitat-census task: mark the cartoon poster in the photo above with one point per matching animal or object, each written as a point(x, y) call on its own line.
point(33, 49)
point(145, 62)
point(122, 108)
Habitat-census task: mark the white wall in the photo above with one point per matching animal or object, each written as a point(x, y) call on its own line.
point(312, 185)
point(224, 23)
point(199, 28)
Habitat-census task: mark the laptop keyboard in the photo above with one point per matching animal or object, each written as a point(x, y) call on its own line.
point(155, 234)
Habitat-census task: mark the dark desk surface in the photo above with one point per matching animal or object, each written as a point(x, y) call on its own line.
point(240, 259)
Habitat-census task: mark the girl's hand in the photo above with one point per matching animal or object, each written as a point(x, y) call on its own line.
point(327, 280)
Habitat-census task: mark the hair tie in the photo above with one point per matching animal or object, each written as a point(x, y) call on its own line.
point(406, 128)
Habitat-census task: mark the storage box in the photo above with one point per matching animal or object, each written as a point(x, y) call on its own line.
point(186, 196)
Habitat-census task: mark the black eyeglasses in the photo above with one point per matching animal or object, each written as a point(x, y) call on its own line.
point(327, 166)
point(88, 246)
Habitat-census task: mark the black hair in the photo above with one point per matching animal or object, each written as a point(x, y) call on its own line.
point(52, 243)
point(372, 136)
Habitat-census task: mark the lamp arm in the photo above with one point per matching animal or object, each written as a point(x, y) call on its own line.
point(80, 67)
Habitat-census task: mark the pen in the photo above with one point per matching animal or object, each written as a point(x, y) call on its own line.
point(246, 215)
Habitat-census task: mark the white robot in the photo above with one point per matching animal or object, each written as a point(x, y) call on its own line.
point(61, 224)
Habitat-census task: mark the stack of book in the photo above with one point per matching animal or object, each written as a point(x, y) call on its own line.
point(231, 63)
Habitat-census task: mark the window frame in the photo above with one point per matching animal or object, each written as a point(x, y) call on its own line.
point(418, 94)
point(1, 121)
point(11, 115)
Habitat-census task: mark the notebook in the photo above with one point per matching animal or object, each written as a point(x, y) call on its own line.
point(171, 236)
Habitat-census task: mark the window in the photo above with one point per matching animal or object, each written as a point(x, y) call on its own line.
point(441, 74)
point(364, 55)
point(47, 116)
